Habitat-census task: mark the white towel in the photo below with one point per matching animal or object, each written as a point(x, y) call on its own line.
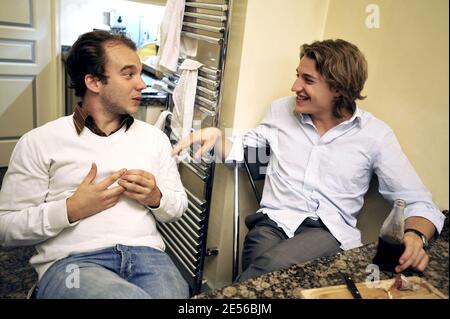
point(161, 122)
point(184, 98)
point(189, 47)
point(171, 46)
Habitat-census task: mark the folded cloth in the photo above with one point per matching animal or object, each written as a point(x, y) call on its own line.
point(171, 46)
point(184, 99)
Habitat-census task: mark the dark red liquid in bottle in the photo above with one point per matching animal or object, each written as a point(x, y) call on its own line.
point(388, 255)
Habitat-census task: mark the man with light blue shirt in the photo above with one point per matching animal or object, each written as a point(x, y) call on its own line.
point(324, 151)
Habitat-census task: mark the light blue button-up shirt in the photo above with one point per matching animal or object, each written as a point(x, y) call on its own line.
point(327, 177)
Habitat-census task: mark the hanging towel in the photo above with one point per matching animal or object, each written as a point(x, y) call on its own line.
point(184, 98)
point(188, 48)
point(161, 121)
point(171, 46)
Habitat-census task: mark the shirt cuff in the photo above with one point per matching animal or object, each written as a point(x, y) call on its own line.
point(237, 150)
point(57, 215)
point(429, 212)
point(162, 204)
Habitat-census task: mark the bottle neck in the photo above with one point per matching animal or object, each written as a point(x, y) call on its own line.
point(393, 226)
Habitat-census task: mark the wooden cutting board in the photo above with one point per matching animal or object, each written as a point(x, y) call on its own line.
point(384, 290)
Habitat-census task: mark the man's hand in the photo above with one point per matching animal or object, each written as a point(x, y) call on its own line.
point(90, 199)
point(207, 138)
point(141, 186)
point(414, 255)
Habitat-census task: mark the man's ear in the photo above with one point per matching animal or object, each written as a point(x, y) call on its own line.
point(92, 83)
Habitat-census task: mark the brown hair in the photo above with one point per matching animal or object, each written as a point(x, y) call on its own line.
point(88, 56)
point(344, 68)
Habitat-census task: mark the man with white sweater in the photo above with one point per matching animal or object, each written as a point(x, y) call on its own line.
point(87, 189)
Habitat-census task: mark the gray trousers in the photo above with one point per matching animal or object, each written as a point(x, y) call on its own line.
point(267, 247)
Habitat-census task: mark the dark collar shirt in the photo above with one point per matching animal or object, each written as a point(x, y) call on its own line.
point(82, 119)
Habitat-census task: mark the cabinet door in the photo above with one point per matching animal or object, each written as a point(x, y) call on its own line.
point(28, 89)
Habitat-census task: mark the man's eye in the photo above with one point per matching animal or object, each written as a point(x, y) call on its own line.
point(129, 75)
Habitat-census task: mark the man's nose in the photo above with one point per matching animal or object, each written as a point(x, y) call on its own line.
point(297, 86)
point(141, 84)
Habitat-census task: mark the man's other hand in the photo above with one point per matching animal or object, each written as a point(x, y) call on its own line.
point(90, 199)
point(414, 255)
point(207, 138)
point(141, 186)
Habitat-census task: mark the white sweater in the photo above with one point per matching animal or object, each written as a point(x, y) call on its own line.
point(47, 166)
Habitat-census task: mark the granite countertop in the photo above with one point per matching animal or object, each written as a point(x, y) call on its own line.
point(17, 276)
point(324, 272)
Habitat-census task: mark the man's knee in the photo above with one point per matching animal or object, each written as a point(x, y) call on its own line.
point(170, 287)
point(261, 265)
point(83, 282)
point(257, 241)
point(269, 262)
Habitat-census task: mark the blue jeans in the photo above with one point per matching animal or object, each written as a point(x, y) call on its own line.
point(119, 272)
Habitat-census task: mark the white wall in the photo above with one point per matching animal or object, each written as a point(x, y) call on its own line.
point(274, 31)
point(408, 77)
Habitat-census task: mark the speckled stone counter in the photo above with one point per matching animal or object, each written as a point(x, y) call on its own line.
point(16, 275)
point(324, 272)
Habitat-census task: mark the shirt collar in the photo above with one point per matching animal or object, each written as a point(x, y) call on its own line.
point(82, 119)
point(357, 116)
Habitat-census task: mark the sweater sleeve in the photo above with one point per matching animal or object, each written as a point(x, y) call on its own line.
point(26, 218)
point(174, 200)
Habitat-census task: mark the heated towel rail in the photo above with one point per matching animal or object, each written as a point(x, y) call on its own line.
point(185, 239)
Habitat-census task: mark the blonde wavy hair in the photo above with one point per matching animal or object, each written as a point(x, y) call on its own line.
point(343, 66)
